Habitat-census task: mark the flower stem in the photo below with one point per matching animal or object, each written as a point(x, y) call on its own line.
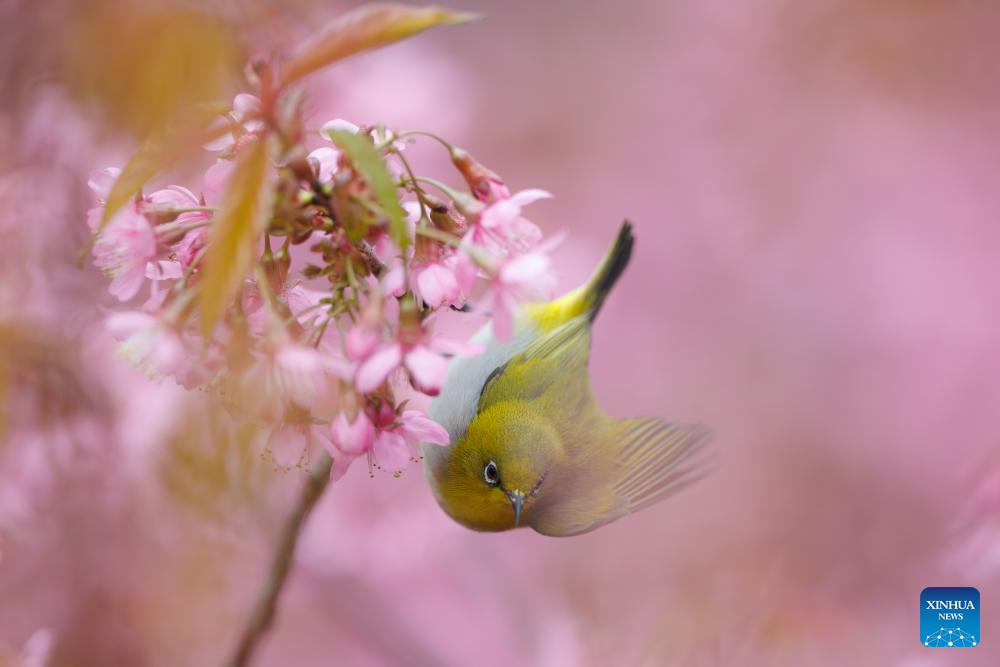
point(438, 235)
point(422, 133)
point(262, 614)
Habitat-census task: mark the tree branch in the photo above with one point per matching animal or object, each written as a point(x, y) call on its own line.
point(262, 614)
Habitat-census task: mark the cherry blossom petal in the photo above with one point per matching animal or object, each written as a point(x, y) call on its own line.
point(126, 284)
point(377, 367)
point(503, 316)
point(220, 124)
point(164, 270)
point(428, 368)
point(287, 445)
point(338, 124)
point(360, 342)
point(455, 347)
point(327, 159)
point(215, 180)
point(436, 285)
point(394, 281)
point(421, 428)
point(245, 104)
point(174, 195)
point(122, 251)
point(523, 235)
point(191, 246)
point(123, 325)
point(352, 438)
point(100, 181)
point(156, 296)
point(298, 373)
point(525, 197)
point(147, 343)
point(94, 216)
point(499, 214)
point(392, 451)
point(465, 272)
point(530, 271)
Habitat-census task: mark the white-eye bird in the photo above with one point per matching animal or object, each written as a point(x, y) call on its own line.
point(529, 444)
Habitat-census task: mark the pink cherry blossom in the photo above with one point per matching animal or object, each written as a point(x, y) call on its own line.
point(158, 272)
point(500, 227)
point(352, 438)
point(100, 183)
point(241, 122)
point(396, 444)
point(122, 251)
point(175, 197)
point(299, 372)
point(446, 281)
point(294, 445)
point(338, 124)
point(518, 279)
point(485, 184)
point(421, 357)
point(294, 374)
point(394, 280)
point(190, 246)
point(392, 439)
point(148, 343)
point(361, 341)
point(326, 159)
point(301, 301)
point(215, 180)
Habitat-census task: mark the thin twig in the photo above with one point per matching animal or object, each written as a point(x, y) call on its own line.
point(262, 614)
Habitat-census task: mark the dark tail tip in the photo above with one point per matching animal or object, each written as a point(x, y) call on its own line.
point(612, 267)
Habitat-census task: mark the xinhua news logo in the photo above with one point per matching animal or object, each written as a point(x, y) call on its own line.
point(949, 617)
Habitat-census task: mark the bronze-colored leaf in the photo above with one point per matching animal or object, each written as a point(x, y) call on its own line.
point(367, 27)
point(141, 64)
point(159, 152)
point(371, 166)
point(243, 215)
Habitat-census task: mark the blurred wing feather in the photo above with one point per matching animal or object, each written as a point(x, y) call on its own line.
point(652, 460)
point(658, 459)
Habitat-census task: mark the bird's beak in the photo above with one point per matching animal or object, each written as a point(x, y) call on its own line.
point(517, 502)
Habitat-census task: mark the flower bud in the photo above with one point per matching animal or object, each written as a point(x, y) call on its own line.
point(298, 163)
point(485, 184)
point(158, 214)
point(352, 437)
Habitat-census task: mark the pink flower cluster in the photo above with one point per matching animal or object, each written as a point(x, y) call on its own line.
point(332, 320)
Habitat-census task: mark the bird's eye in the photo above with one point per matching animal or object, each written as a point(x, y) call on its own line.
point(491, 474)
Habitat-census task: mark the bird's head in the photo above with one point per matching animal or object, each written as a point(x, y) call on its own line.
point(497, 472)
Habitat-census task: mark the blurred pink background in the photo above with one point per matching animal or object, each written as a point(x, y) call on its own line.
point(814, 189)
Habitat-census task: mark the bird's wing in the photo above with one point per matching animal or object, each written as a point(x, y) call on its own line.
point(456, 405)
point(651, 459)
point(658, 459)
point(556, 358)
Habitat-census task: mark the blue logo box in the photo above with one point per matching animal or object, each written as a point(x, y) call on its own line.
point(949, 617)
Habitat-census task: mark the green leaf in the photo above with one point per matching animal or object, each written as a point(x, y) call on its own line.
point(243, 215)
point(372, 167)
point(367, 27)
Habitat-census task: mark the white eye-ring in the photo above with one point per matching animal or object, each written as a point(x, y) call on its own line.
point(491, 474)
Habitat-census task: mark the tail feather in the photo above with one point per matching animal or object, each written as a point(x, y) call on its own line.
point(610, 270)
point(587, 299)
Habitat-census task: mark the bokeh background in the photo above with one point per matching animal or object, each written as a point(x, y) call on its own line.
point(814, 188)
